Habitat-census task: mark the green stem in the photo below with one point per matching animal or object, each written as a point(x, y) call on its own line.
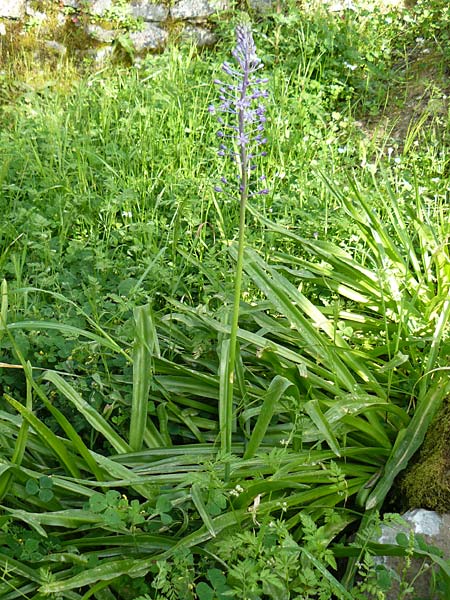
point(231, 367)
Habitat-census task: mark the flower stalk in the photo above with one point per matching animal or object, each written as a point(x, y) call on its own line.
point(241, 137)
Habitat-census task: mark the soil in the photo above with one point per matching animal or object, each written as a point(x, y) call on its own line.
point(421, 100)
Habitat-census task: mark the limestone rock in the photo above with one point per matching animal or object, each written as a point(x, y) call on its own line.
point(61, 18)
point(99, 7)
point(100, 55)
point(197, 9)
point(148, 11)
point(435, 529)
point(262, 6)
point(151, 37)
point(56, 46)
point(38, 16)
point(199, 35)
point(100, 34)
point(12, 9)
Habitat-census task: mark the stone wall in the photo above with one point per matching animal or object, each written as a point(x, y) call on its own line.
point(140, 26)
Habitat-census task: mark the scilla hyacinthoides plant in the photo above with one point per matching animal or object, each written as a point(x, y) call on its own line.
point(241, 115)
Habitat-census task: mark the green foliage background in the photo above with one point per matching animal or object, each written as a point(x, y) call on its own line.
point(117, 258)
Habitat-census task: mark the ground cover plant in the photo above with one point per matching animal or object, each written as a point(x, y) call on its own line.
point(140, 459)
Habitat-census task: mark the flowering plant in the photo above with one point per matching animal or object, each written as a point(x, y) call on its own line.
point(241, 115)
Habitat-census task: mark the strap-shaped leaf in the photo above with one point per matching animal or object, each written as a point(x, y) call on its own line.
point(411, 439)
point(47, 435)
point(144, 348)
point(271, 398)
point(312, 409)
point(197, 499)
point(88, 412)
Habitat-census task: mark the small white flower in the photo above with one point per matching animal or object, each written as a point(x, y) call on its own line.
point(407, 185)
point(397, 160)
point(350, 67)
point(342, 150)
point(237, 490)
point(127, 214)
point(420, 40)
point(371, 167)
point(339, 6)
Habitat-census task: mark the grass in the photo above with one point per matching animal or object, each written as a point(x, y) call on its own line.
point(118, 263)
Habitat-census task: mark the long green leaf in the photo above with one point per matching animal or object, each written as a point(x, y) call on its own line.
point(69, 330)
point(47, 436)
point(411, 440)
point(7, 477)
point(103, 338)
point(9, 564)
point(67, 519)
point(312, 409)
point(3, 307)
point(144, 347)
point(88, 412)
point(225, 418)
point(107, 571)
point(65, 425)
point(197, 499)
point(271, 398)
point(337, 586)
point(292, 304)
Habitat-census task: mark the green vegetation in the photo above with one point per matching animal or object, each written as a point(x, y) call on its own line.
point(118, 258)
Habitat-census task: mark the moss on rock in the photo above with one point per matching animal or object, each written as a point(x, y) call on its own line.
point(426, 482)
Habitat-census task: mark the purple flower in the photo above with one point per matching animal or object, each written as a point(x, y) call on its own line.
point(243, 113)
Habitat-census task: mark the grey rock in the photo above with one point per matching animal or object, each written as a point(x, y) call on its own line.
point(148, 11)
point(100, 55)
point(61, 19)
point(100, 34)
point(99, 7)
point(199, 35)
point(12, 9)
point(38, 16)
point(262, 6)
point(56, 46)
point(197, 9)
point(151, 37)
point(435, 529)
